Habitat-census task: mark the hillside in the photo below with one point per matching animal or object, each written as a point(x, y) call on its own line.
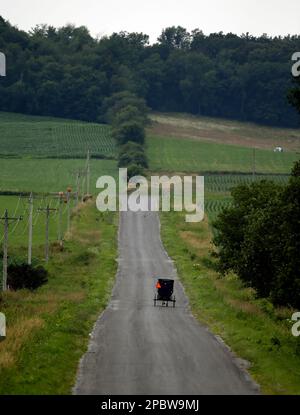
point(71, 74)
point(42, 154)
point(224, 131)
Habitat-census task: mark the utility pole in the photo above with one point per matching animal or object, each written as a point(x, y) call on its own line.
point(82, 189)
point(69, 194)
point(30, 201)
point(78, 174)
point(60, 230)
point(88, 173)
point(30, 225)
point(68, 210)
point(77, 186)
point(62, 196)
point(6, 220)
point(47, 210)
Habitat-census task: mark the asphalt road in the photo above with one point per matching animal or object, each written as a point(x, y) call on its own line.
point(137, 348)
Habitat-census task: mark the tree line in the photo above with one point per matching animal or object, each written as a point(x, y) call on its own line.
point(66, 72)
point(128, 116)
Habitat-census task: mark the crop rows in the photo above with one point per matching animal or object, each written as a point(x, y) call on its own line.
point(76, 139)
point(214, 206)
point(54, 139)
point(225, 182)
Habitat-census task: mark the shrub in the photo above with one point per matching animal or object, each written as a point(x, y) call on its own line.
point(258, 238)
point(134, 170)
point(130, 112)
point(130, 130)
point(296, 169)
point(26, 276)
point(138, 158)
point(132, 153)
point(129, 147)
point(123, 101)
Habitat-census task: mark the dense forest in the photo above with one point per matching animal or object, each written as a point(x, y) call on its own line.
point(66, 72)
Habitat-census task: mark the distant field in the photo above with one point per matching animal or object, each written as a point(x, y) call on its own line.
point(218, 187)
point(225, 182)
point(224, 131)
point(32, 140)
point(188, 155)
point(38, 142)
point(48, 175)
point(22, 135)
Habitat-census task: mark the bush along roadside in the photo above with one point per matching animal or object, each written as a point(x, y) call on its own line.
point(258, 238)
point(127, 114)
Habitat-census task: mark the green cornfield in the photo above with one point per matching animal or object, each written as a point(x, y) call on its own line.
point(53, 138)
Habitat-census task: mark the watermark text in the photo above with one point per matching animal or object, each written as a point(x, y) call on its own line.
point(2, 64)
point(296, 326)
point(2, 326)
point(162, 193)
point(296, 65)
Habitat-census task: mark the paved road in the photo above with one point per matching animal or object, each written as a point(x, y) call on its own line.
point(140, 349)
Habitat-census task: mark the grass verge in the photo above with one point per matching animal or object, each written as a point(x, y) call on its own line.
point(253, 328)
point(48, 330)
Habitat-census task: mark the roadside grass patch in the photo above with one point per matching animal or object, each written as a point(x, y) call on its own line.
point(48, 330)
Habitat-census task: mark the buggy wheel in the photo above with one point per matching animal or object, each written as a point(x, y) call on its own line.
point(174, 301)
point(167, 303)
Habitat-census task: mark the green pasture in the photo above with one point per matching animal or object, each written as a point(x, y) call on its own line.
point(187, 155)
point(49, 175)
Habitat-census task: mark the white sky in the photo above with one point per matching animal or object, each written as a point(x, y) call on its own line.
point(102, 17)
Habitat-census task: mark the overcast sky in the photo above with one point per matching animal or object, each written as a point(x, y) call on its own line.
point(102, 17)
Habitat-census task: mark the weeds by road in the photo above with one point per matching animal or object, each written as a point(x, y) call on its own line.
point(48, 330)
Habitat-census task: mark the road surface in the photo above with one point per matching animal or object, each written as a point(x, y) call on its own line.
point(137, 348)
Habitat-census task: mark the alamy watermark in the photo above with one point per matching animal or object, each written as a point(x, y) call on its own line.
point(296, 65)
point(296, 326)
point(2, 64)
point(2, 327)
point(187, 194)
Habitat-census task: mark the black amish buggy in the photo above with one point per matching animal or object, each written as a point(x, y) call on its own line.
point(164, 292)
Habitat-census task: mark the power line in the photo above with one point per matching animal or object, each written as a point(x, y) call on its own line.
point(6, 219)
point(47, 211)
